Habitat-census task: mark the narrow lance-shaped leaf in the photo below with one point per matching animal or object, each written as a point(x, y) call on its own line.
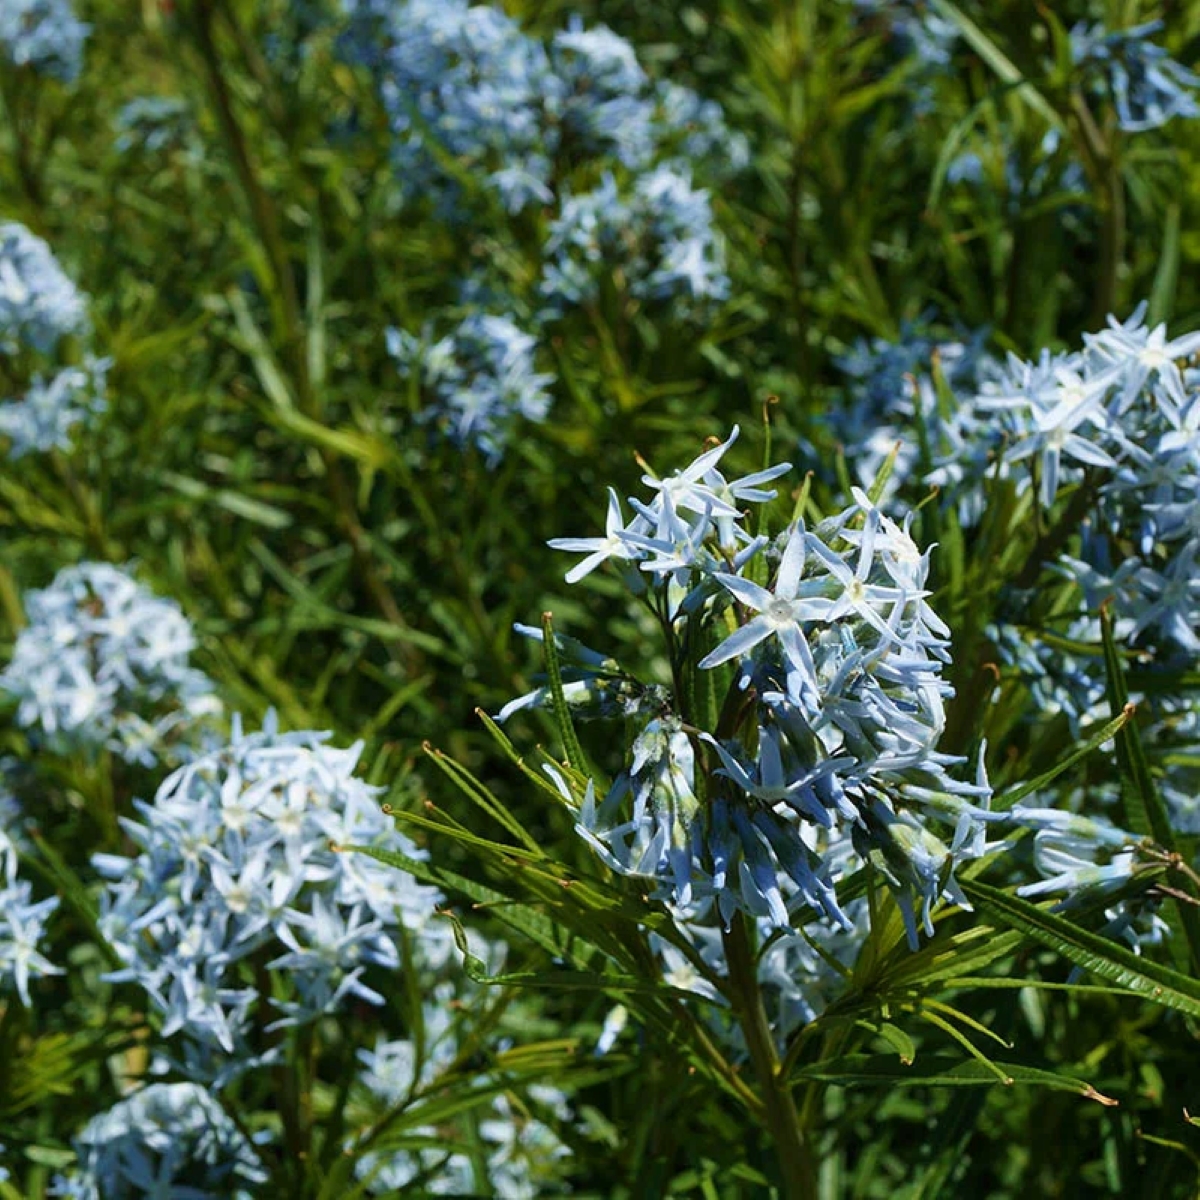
point(859, 1070)
point(1007, 799)
point(1145, 812)
point(1089, 950)
point(562, 713)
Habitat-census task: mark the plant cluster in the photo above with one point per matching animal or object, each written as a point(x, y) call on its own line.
point(837, 835)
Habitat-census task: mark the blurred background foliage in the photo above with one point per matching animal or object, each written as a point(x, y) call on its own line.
point(261, 462)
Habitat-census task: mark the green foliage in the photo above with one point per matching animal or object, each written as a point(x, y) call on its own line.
point(262, 462)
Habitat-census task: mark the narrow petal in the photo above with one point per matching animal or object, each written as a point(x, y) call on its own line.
point(750, 594)
point(741, 642)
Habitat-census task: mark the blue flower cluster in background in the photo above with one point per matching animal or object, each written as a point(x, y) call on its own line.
point(39, 305)
point(913, 29)
point(470, 94)
point(474, 101)
point(169, 1139)
point(152, 124)
point(894, 406)
point(103, 664)
point(46, 417)
point(481, 378)
point(660, 238)
point(1146, 85)
point(40, 310)
point(519, 1142)
point(45, 35)
point(22, 919)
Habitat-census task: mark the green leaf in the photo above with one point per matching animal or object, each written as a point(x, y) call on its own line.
point(946, 959)
point(883, 474)
point(483, 797)
point(1094, 953)
point(895, 1037)
point(1145, 812)
point(314, 613)
point(562, 713)
point(529, 922)
point(1166, 275)
point(1006, 800)
point(235, 502)
point(514, 756)
point(1003, 66)
point(560, 978)
point(858, 1070)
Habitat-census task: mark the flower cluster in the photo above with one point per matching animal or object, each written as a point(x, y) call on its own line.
point(168, 1139)
point(152, 124)
point(22, 919)
point(461, 82)
point(474, 102)
point(1107, 432)
point(45, 35)
point(838, 698)
point(1146, 86)
point(913, 30)
point(914, 40)
point(39, 309)
point(893, 395)
point(470, 94)
point(238, 879)
point(481, 377)
point(660, 238)
point(52, 406)
point(39, 305)
point(103, 663)
point(1119, 418)
point(800, 972)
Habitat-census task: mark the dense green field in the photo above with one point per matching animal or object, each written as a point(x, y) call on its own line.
point(846, 354)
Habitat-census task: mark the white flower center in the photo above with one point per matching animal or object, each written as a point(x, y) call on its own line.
point(780, 613)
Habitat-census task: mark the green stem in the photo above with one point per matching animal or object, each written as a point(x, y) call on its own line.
point(795, 1156)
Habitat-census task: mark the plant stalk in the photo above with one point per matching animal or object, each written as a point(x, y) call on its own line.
point(796, 1163)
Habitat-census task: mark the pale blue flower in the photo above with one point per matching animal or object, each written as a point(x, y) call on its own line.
point(239, 862)
point(614, 543)
point(39, 305)
point(169, 1139)
point(461, 82)
point(510, 1148)
point(481, 379)
point(104, 663)
point(151, 123)
point(1148, 88)
point(840, 658)
point(45, 35)
point(605, 103)
point(659, 234)
point(46, 416)
point(1074, 853)
point(22, 919)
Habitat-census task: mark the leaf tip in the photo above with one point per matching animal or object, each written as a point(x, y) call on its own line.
point(1090, 1093)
